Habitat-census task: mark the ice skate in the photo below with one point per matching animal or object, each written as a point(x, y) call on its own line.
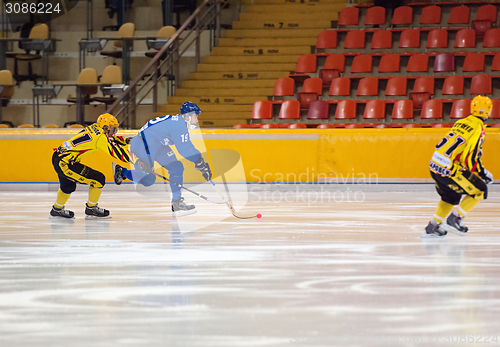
point(455, 224)
point(95, 212)
point(61, 213)
point(180, 208)
point(433, 231)
point(118, 174)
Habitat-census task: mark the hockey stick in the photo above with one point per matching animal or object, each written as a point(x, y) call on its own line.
point(189, 190)
point(230, 206)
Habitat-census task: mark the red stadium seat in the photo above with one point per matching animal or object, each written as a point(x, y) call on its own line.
point(335, 62)
point(297, 126)
point(290, 109)
point(465, 38)
point(480, 84)
point(242, 126)
point(368, 86)
point(424, 84)
point(346, 109)
point(262, 109)
point(432, 109)
point(492, 39)
point(474, 62)
point(453, 85)
point(381, 39)
point(431, 15)
point(444, 62)
point(495, 65)
point(409, 40)
point(375, 15)
point(311, 91)
point(374, 109)
point(403, 109)
point(422, 91)
point(355, 40)
point(362, 64)
point(334, 65)
point(327, 39)
point(340, 86)
point(348, 16)
point(306, 64)
point(418, 63)
point(486, 17)
point(396, 86)
point(353, 126)
point(487, 12)
point(403, 15)
point(325, 126)
point(327, 75)
point(460, 109)
point(269, 126)
point(318, 110)
point(284, 86)
point(437, 39)
point(389, 63)
point(459, 15)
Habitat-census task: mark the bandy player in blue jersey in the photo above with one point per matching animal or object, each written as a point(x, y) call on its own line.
point(153, 142)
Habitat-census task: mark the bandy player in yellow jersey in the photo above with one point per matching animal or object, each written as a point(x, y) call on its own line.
point(457, 170)
point(66, 160)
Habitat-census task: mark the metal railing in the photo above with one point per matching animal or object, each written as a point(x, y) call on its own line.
point(166, 61)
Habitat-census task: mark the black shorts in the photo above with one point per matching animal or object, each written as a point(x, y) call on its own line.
point(451, 189)
point(71, 174)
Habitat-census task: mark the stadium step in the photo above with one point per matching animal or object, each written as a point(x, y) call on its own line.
point(250, 51)
point(297, 8)
point(277, 25)
point(288, 17)
point(259, 59)
point(265, 33)
point(235, 75)
point(174, 108)
point(246, 67)
point(226, 100)
point(267, 42)
point(223, 92)
point(229, 84)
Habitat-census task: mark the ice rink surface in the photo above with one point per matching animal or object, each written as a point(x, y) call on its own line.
point(321, 268)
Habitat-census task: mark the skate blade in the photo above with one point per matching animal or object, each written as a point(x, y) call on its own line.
point(431, 236)
point(87, 217)
point(183, 213)
point(450, 229)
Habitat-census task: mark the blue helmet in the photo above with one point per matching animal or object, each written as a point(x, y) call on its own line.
point(190, 107)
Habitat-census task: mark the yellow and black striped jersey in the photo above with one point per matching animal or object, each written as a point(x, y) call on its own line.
point(92, 139)
point(461, 149)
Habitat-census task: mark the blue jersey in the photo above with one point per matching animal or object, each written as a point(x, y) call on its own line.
point(167, 131)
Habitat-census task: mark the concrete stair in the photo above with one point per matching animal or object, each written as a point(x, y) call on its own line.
point(262, 46)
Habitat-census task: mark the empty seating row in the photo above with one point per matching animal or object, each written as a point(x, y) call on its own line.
point(407, 41)
point(373, 110)
point(345, 125)
point(430, 15)
point(423, 88)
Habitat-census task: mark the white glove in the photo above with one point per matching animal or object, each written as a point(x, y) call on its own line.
point(487, 176)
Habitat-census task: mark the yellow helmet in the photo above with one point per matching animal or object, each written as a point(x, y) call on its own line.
point(481, 106)
point(108, 123)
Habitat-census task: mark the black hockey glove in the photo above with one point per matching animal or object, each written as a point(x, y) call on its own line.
point(204, 168)
point(144, 166)
point(486, 176)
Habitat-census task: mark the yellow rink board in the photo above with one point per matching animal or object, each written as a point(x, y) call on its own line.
point(281, 155)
